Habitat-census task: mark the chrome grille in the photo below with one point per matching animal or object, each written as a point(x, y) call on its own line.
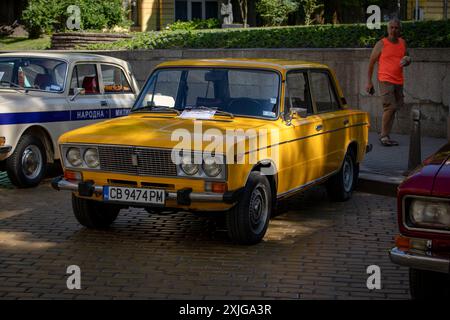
point(150, 162)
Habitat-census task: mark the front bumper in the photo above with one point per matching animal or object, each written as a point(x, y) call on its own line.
point(417, 259)
point(5, 149)
point(183, 196)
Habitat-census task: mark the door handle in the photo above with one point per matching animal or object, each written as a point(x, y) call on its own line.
point(346, 122)
point(103, 103)
point(319, 127)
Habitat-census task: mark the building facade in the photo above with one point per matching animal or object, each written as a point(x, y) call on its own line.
point(157, 14)
point(427, 9)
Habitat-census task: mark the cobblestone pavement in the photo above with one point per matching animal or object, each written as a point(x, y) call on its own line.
point(318, 250)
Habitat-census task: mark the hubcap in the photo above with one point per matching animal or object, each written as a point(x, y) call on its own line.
point(258, 208)
point(31, 162)
point(348, 175)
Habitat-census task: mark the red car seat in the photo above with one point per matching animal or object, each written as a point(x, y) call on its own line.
point(90, 84)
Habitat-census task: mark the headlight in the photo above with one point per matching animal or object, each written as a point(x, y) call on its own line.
point(188, 166)
point(74, 157)
point(211, 167)
point(432, 214)
point(91, 158)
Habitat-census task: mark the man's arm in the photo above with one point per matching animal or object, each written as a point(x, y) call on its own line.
point(374, 57)
point(406, 60)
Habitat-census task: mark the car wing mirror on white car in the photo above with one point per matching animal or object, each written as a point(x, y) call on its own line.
point(77, 92)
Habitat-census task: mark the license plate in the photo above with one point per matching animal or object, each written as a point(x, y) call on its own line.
point(134, 195)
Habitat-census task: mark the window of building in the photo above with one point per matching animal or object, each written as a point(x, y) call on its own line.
point(196, 9)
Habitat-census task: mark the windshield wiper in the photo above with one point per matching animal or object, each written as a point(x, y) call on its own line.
point(15, 86)
point(212, 109)
point(157, 109)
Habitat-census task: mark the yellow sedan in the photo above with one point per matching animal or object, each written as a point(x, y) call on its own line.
point(229, 135)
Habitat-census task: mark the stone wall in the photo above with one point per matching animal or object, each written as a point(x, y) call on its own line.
point(427, 79)
point(70, 40)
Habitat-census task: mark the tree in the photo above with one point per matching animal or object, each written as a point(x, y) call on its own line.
point(275, 12)
point(244, 11)
point(309, 7)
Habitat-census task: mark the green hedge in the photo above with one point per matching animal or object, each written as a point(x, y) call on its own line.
point(48, 16)
point(195, 24)
point(418, 34)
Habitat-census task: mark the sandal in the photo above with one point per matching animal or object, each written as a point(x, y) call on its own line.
point(392, 142)
point(385, 141)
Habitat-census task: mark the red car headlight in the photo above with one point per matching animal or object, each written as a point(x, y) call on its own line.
point(429, 213)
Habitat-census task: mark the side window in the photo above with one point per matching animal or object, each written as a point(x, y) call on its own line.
point(85, 76)
point(114, 80)
point(297, 93)
point(323, 92)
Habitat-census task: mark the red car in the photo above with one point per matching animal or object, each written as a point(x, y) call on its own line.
point(423, 202)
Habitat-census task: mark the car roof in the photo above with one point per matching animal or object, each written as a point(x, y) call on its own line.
point(278, 64)
point(67, 56)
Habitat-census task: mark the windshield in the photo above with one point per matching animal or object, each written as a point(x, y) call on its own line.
point(240, 92)
point(39, 74)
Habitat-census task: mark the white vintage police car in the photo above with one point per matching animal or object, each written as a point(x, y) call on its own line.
point(43, 95)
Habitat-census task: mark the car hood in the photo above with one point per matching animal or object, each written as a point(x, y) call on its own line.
point(14, 101)
point(433, 176)
point(158, 131)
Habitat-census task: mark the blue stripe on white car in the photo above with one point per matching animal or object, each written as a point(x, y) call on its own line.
point(61, 116)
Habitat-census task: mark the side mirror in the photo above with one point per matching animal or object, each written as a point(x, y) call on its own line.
point(301, 112)
point(77, 92)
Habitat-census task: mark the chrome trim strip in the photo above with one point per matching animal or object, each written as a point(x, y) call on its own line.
point(194, 196)
point(306, 137)
point(419, 260)
point(418, 228)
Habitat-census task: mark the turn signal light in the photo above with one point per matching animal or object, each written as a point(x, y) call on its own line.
point(219, 187)
point(216, 187)
point(73, 175)
point(402, 242)
point(2, 141)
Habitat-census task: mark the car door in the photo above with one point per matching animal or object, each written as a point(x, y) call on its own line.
point(334, 119)
point(304, 141)
point(90, 106)
point(117, 89)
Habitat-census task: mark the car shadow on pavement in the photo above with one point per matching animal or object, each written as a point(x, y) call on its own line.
point(305, 252)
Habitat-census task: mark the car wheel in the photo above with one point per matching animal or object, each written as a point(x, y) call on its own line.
point(27, 165)
point(340, 187)
point(427, 284)
point(94, 214)
point(248, 220)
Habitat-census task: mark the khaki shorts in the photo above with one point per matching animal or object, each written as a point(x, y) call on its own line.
point(392, 96)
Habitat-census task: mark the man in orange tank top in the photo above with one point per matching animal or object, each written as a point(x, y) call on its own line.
point(391, 53)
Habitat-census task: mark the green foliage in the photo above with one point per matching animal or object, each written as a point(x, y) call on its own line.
point(41, 16)
point(194, 24)
point(309, 6)
point(427, 34)
point(275, 12)
point(48, 16)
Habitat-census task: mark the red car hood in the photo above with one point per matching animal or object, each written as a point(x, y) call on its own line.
point(432, 177)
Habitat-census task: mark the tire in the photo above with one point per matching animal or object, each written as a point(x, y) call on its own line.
point(94, 214)
point(27, 166)
point(340, 187)
point(428, 284)
point(248, 220)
